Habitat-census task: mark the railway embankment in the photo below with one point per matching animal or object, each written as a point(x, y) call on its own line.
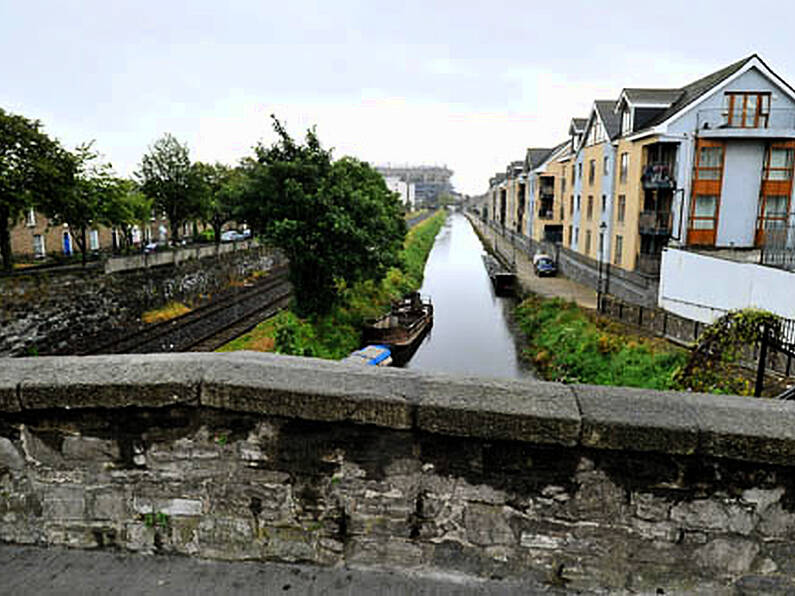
point(74, 310)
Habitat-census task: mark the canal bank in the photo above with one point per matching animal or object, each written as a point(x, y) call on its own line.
point(548, 287)
point(473, 331)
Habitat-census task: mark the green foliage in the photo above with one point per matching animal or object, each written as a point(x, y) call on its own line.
point(337, 333)
point(710, 365)
point(569, 346)
point(156, 520)
point(33, 167)
point(336, 222)
point(221, 189)
point(167, 177)
point(93, 194)
point(126, 208)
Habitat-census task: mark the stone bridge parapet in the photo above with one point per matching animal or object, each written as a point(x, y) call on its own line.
point(251, 456)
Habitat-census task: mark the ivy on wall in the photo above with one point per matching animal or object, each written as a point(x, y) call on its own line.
point(710, 366)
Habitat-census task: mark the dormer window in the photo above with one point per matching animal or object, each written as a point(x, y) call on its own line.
point(626, 121)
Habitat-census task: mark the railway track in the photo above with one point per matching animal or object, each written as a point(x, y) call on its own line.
point(210, 326)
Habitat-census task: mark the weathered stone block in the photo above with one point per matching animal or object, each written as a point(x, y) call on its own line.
point(147, 380)
point(10, 458)
point(636, 419)
point(308, 389)
point(761, 430)
point(90, 449)
point(487, 524)
point(728, 556)
point(708, 514)
point(64, 503)
point(529, 411)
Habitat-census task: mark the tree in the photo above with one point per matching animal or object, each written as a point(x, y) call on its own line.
point(167, 177)
point(33, 167)
point(222, 189)
point(126, 208)
point(335, 221)
point(83, 205)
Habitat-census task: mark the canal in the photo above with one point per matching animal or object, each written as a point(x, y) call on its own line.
point(471, 331)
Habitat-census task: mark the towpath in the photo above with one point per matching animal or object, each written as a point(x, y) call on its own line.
point(549, 287)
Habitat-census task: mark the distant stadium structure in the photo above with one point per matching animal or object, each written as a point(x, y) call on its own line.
point(430, 182)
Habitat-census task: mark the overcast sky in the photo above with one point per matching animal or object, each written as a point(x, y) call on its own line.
point(465, 84)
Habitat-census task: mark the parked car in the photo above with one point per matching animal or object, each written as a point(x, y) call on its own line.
point(235, 236)
point(544, 265)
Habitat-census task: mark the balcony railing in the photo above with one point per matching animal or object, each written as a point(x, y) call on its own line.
point(658, 175)
point(721, 119)
point(649, 264)
point(655, 222)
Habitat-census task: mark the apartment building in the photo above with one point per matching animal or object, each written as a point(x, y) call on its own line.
point(706, 166)
point(546, 170)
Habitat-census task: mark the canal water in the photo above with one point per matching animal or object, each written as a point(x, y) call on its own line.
point(471, 331)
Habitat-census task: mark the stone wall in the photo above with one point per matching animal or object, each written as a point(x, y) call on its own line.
point(67, 310)
point(250, 456)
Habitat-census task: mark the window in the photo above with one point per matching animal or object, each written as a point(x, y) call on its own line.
point(573, 175)
point(704, 211)
point(622, 208)
point(709, 163)
point(579, 170)
point(571, 236)
point(624, 168)
point(591, 171)
point(746, 110)
point(571, 212)
point(778, 165)
point(619, 250)
point(39, 250)
point(773, 211)
point(93, 240)
point(589, 212)
point(576, 235)
point(606, 166)
point(30, 218)
point(588, 242)
point(626, 124)
point(604, 203)
point(563, 185)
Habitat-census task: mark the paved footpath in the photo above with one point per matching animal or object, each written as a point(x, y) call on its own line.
point(549, 287)
point(47, 571)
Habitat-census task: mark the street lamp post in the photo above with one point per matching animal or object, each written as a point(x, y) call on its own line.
point(600, 268)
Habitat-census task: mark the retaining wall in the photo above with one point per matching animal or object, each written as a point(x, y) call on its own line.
point(66, 311)
point(251, 456)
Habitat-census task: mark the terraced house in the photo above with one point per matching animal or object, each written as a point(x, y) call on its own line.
point(706, 166)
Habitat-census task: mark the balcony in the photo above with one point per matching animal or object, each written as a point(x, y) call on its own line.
point(655, 222)
point(719, 123)
point(658, 175)
point(649, 264)
point(546, 214)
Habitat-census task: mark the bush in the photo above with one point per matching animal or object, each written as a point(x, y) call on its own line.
point(567, 345)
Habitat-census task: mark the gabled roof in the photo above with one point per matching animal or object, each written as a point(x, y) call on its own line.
point(534, 157)
point(693, 91)
point(611, 120)
point(654, 97)
point(577, 125)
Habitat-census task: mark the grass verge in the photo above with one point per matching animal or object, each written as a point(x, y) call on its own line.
point(172, 310)
point(338, 333)
point(570, 345)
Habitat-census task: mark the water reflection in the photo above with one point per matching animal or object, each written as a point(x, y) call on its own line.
point(471, 331)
